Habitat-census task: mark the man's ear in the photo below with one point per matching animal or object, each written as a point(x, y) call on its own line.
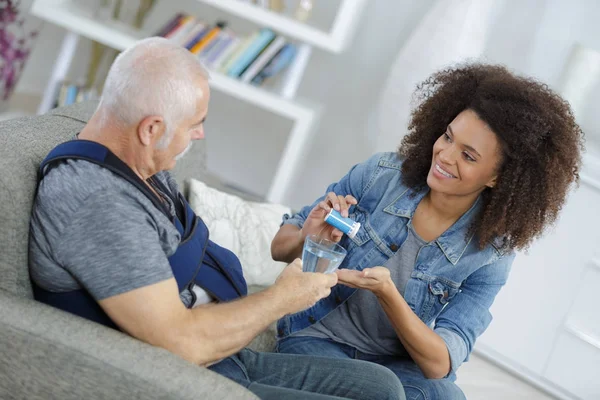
point(151, 129)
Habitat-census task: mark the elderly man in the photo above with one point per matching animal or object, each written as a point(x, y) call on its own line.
point(113, 240)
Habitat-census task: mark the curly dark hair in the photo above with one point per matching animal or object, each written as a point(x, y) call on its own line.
point(541, 143)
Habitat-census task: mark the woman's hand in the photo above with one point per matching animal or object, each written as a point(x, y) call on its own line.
point(376, 279)
point(315, 222)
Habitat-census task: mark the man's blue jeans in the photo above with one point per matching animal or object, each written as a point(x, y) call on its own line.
point(290, 376)
point(416, 386)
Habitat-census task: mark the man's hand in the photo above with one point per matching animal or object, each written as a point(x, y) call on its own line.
point(300, 290)
point(315, 222)
point(376, 279)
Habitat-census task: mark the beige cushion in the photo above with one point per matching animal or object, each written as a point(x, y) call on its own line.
point(244, 227)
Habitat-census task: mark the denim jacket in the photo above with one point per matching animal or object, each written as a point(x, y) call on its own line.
point(453, 284)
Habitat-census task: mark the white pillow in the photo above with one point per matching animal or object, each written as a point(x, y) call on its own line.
point(244, 227)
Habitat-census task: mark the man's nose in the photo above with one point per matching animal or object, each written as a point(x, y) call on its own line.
point(198, 133)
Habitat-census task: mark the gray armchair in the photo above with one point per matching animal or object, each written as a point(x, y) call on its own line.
point(50, 354)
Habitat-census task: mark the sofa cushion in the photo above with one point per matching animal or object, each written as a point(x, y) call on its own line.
point(24, 142)
point(246, 228)
point(50, 354)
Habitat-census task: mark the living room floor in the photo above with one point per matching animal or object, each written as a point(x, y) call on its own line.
point(481, 380)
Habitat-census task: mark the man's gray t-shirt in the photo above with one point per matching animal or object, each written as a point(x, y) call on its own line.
point(361, 322)
point(93, 230)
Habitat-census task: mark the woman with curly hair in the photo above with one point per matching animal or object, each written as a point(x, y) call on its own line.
point(485, 168)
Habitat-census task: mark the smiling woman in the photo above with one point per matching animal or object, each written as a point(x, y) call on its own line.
point(441, 219)
point(530, 129)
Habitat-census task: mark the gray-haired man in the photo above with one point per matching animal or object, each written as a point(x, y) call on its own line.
point(112, 240)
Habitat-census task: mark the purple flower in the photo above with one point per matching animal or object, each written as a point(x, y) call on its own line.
point(8, 12)
point(14, 47)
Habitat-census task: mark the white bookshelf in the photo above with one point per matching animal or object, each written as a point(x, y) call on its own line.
point(80, 22)
point(334, 40)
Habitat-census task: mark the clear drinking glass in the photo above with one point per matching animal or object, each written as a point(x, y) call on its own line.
point(321, 255)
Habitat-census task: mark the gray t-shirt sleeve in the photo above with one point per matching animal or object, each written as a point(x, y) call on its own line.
point(112, 246)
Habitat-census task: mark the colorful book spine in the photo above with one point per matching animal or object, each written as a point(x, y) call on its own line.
point(265, 37)
point(211, 45)
point(195, 35)
point(175, 27)
point(175, 33)
point(277, 64)
point(170, 25)
point(71, 95)
point(221, 58)
point(81, 93)
point(211, 35)
point(240, 49)
point(191, 35)
point(183, 32)
point(263, 59)
point(224, 40)
point(62, 94)
point(252, 59)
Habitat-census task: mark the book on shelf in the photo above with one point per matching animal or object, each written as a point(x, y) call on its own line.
point(281, 60)
point(265, 36)
point(70, 93)
point(236, 54)
point(222, 50)
point(217, 59)
point(212, 51)
point(212, 44)
point(183, 27)
point(263, 59)
point(170, 25)
point(210, 36)
point(194, 35)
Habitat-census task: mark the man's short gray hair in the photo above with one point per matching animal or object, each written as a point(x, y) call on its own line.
point(153, 77)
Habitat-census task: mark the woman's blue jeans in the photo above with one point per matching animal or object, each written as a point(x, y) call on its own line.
point(416, 386)
point(291, 376)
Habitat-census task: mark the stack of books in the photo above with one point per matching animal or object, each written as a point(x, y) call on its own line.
point(251, 59)
point(70, 93)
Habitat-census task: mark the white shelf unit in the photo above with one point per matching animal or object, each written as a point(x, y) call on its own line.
point(335, 40)
point(79, 22)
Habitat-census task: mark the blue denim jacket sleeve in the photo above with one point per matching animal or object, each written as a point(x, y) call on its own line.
point(467, 316)
point(353, 183)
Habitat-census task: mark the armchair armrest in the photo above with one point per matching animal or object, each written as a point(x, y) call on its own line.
point(47, 353)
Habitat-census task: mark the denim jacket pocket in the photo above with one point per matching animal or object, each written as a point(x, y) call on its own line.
point(439, 294)
point(362, 236)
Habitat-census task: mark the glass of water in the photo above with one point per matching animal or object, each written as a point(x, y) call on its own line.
point(321, 255)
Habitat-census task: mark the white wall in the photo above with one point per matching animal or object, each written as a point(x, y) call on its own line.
point(348, 85)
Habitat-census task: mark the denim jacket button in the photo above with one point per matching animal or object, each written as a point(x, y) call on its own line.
point(280, 332)
point(311, 319)
point(338, 300)
point(394, 247)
